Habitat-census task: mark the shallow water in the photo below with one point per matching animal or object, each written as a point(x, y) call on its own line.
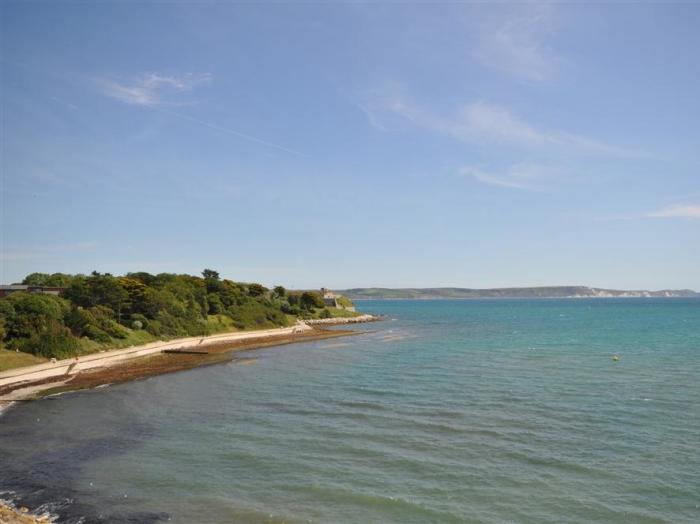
point(453, 411)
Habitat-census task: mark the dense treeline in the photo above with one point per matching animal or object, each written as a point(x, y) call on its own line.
point(101, 309)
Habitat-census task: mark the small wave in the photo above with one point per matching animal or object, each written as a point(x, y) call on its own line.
point(562, 465)
point(336, 345)
point(361, 404)
point(386, 504)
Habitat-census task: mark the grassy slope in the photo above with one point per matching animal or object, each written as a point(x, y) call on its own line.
point(11, 359)
point(342, 313)
point(335, 313)
point(220, 324)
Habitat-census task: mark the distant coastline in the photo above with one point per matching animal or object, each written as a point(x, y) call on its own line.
point(510, 293)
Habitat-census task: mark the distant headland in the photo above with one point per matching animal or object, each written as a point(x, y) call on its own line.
point(434, 293)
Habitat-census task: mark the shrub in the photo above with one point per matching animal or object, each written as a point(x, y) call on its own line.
point(95, 333)
point(216, 306)
point(114, 330)
point(55, 342)
point(155, 328)
point(95, 323)
point(256, 290)
point(27, 315)
point(171, 325)
point(77, 320)
point(311, 299)
point(289, 309)
point(345, 302)
point(138, 317)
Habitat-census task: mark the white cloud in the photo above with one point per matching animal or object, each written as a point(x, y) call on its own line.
point(480, 122)
point(519, 176)
point(516, 45)
point(677, 211)
point(151, 89)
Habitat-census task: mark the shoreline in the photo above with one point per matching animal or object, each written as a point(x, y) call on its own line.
point(34, 382)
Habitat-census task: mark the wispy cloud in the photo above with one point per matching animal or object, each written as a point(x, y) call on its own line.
point(158, 92)
point(677, 211)
point(683, 211)
point(517, 44)
point(64, 103)
point(233, 132)
point(372, 118)
point(480, 122)
point(152, 89)
point(530, 177)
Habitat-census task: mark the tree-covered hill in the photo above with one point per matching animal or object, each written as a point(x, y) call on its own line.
point(101, 310)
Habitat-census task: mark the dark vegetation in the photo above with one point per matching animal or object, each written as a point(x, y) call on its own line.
point(101, 310)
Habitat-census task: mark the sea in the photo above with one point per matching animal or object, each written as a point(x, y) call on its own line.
point(483, 411)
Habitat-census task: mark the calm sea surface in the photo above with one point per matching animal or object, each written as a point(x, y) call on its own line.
point(452, 411)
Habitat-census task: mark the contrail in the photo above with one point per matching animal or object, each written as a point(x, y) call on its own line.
point(230, 131)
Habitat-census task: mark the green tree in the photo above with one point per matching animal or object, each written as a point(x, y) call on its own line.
point(280, 291)
point(210, 274)
point(136, 291)
point(31, 313)
point(311, 299)
point(55, 341)
point(142, 276)
point(44, 279)
point(59, 280)
point(256, 290)
point(98, 290)
point(36, 279)
point(215, 304)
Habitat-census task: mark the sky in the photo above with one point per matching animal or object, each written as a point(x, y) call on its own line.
point(354, 144)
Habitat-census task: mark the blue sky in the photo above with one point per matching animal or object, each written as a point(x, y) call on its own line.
point(354, 144)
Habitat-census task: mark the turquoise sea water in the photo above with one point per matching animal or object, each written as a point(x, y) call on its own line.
point(451, 411)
